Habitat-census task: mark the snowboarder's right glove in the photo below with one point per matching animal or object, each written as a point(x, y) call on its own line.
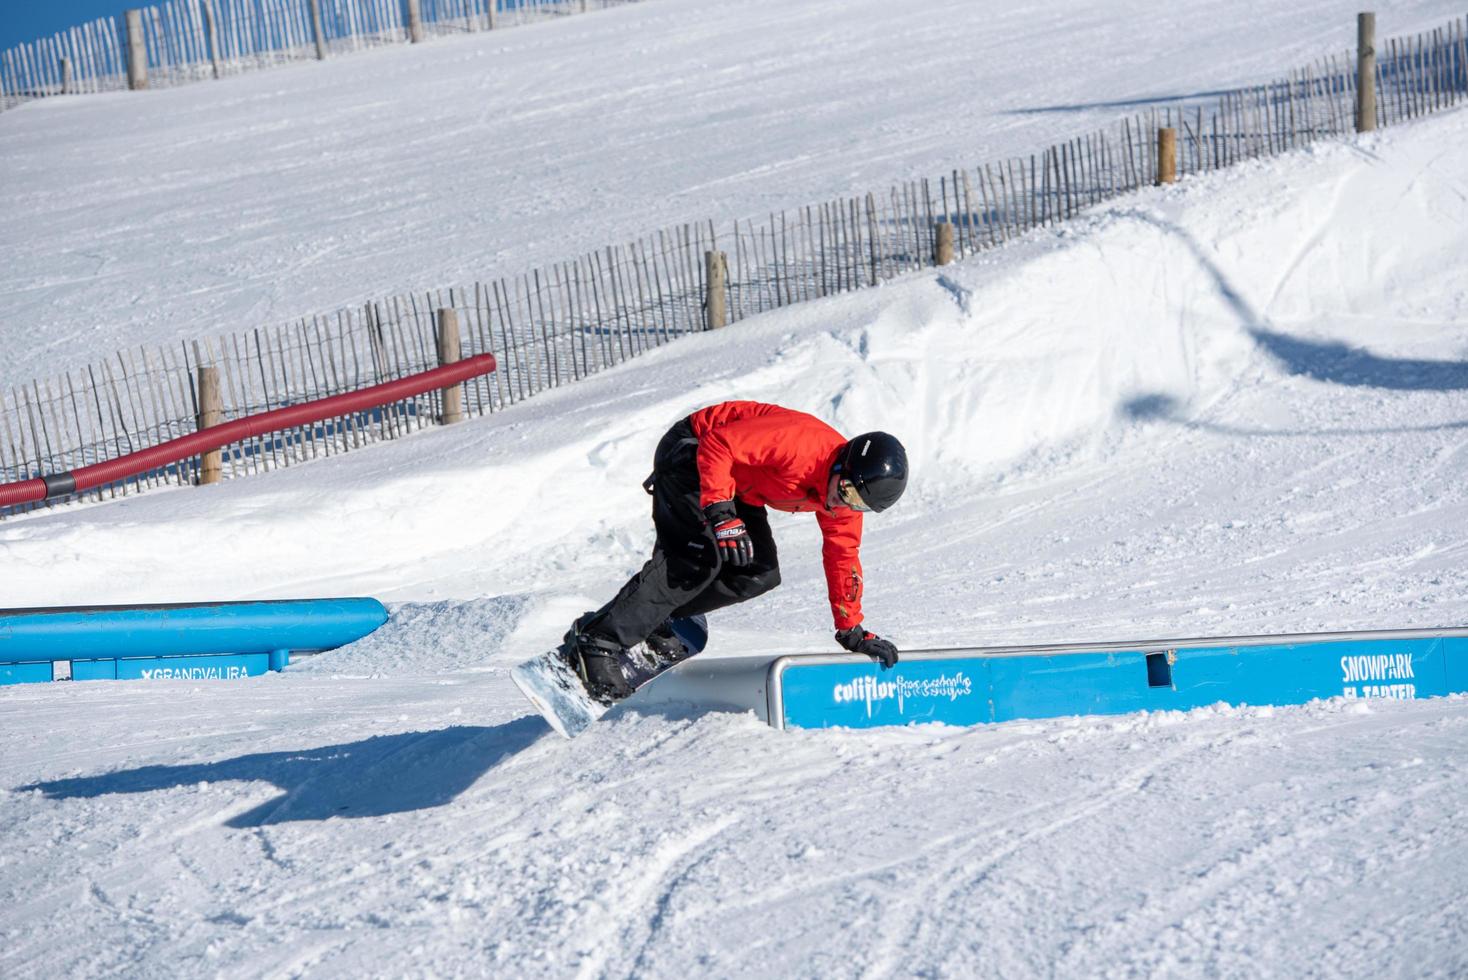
point(735, 545)
point(858, 640)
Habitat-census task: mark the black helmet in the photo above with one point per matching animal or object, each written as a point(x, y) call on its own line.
point(872, 471)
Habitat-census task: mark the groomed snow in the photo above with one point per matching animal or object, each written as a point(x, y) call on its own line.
point(1236, 405)
point(219, 208)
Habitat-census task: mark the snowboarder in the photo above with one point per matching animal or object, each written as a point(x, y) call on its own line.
point(714, 473)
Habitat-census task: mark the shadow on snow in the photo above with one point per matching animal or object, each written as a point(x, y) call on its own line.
point(1342, 364)
point(1171, 99)
point(369, 778)
point(1331, 362)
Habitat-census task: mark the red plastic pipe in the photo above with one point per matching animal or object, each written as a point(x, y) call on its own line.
point(98, 474)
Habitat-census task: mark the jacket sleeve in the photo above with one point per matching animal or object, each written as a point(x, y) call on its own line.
point(715, 468)
point(840, 552)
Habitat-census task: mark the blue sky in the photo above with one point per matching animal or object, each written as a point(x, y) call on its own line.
point(26, 20)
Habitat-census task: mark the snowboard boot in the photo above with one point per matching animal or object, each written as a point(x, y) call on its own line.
point(665, 645)
point(597, 660)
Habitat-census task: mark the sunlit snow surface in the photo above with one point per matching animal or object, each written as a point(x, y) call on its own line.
point(1239, 405)
point(224, 207)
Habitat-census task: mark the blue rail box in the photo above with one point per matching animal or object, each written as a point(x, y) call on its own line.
point(968, 687)
point(190, 641)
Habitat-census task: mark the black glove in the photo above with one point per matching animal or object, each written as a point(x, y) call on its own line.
point(858, 640)
point(735, 545)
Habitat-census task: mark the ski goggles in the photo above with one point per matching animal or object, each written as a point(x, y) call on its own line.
point(850, 496)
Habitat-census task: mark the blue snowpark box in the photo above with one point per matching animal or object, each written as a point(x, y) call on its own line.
point(188, 641)
point(970, 687)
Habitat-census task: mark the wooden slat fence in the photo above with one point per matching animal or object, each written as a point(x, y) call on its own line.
point(193, 40)
point(563, 322)
point(92, 57)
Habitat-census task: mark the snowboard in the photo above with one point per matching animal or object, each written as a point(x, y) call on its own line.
point(554, 687)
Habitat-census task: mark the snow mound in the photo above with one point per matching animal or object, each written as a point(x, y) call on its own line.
point(1047, 361)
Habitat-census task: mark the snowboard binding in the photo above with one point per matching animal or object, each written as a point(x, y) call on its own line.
point(575, 683)
point(598, 662)
point(666, 646)
point(609, 671)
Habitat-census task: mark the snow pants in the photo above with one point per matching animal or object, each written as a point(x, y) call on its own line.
point(685, 575)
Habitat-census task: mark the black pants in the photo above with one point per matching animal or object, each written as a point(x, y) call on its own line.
point(685, 575)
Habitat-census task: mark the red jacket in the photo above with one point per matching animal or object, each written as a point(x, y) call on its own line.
point(777, 457)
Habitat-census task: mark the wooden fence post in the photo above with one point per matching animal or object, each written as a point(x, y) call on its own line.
point(65, 76)
point(1366, 72)
point(211, 412)
point(415, 21)
point(317, 32)
point(943, 244)
point(1167, 155)
point(211, 28)
point(716, 269)
point(137, 52)
point(448, 353)
point(489, 8)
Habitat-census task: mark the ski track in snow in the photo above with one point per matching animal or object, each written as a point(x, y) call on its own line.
point(1231, 406)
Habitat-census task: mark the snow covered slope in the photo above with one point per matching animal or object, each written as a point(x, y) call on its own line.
point(1235, 405)
point(1090, 389)
point(216, 208)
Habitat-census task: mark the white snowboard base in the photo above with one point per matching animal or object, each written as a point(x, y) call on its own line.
point(557, 693)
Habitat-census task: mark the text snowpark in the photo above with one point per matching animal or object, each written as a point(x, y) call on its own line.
point(1363, 675)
